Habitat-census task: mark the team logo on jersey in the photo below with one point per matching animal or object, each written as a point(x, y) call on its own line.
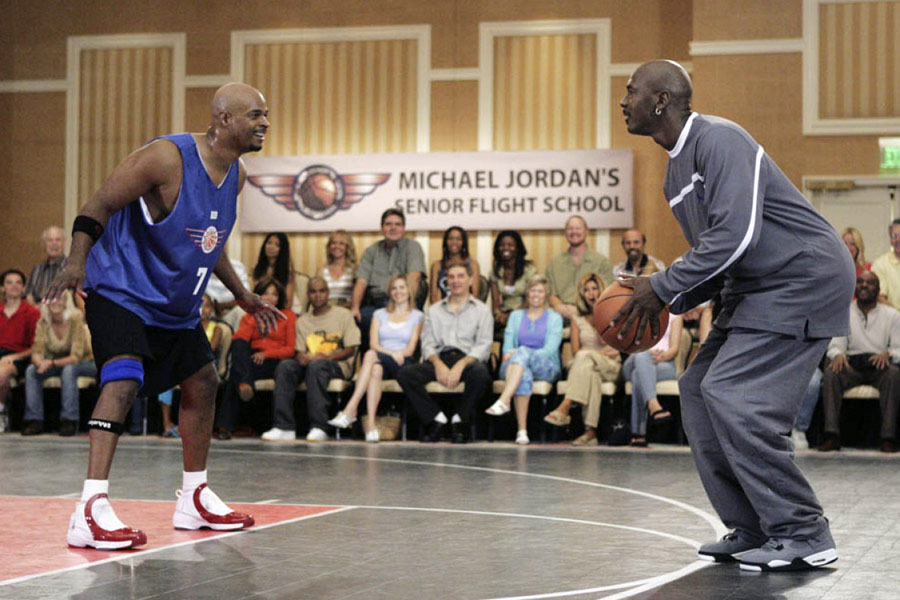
point(207, 239)
point(318, 191)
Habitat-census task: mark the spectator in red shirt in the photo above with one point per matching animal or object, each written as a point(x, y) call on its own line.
point(255, 357)
point(18, 321)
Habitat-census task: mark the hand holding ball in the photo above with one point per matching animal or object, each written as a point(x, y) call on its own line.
point(608, 305)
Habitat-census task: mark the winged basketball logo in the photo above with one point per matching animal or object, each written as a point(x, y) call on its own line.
point(318, 191)
point(207, 239)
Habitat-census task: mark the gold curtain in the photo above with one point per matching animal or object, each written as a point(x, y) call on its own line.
point(126, 100)
point(544, 98)
point(859, 60)
point(333, 98)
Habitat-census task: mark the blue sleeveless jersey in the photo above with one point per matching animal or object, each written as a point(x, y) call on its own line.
point(159, 271)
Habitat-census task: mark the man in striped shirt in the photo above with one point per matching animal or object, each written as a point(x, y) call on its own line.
point(785, 282)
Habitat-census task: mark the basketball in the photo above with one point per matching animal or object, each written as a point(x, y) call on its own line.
point(611, 301)
point(318, 191)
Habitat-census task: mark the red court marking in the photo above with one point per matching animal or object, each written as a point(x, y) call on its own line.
point(33, 530)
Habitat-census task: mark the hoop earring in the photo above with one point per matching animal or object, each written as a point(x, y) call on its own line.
point(658, 112)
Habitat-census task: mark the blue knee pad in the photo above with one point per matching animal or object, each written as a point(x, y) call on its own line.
point(122, 369)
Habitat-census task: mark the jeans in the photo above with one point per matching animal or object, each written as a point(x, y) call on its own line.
point(536, 367)
point(317, 374)
point(34, 389)
point(643, 374)
point(810, 399)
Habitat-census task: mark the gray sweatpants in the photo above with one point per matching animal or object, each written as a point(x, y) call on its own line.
point(739, 400)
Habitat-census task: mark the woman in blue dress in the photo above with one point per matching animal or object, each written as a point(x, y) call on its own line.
point(530, 352)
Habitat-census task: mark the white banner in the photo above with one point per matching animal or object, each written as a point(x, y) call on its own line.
point(475, 190)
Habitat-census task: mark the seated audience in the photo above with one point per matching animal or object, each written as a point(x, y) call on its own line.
point(18, 321)
point(887, 268)
point(61, 349)
point(530, 352)
point(456, 345)
point(854, 240)
point(339, 268)
point(54, 241)
point(807, 409)
point(326, 342)
point(255, 356)
point(390, 256)
point(455, 247)
point(594, 363)
point(569, 267)
point(636, 260)
point(868, 356)
point(393, 339)
point(274, 262)
point(644, 369)
point(509, 276)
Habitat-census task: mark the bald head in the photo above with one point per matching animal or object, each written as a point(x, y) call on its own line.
point(669, 76)
point(234, 98)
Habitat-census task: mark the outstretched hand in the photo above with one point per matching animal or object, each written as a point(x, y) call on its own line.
point(265, 314)
point(644, 306)
point(69, 278)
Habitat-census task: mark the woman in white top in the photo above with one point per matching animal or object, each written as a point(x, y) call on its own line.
point(393, 338)
point(340, 267)
point(644, 369)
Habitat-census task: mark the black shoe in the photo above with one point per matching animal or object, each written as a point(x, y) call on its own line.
point(223, 434)
point(460, 433)
point(830, 443)
point(33, 428)
point(67, 428)
point(888, 445)
point(432, 433)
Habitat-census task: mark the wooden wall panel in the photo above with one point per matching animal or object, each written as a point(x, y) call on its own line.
point(747, 19)
point(31, 168)
point(125, 101)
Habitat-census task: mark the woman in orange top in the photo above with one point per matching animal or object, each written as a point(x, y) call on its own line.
point(254, 356)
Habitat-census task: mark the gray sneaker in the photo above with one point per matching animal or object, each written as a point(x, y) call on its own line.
point(725, 549)
point(790, 555)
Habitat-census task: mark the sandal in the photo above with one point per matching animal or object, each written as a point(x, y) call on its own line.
point(585, 440)
point(556, 419)
point(498, 408)
point(661, 420)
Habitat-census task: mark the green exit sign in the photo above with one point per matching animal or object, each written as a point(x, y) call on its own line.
point(890, 154)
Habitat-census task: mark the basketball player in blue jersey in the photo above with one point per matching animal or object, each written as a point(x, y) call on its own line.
point(143, 249)
point(785, 290)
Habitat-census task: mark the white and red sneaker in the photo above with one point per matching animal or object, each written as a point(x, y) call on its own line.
point(86, 532)
point(204, 510)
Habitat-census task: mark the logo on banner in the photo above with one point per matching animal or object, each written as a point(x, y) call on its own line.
point(318, 191)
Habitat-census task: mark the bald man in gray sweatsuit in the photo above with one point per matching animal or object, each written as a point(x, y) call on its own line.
point(786, 282)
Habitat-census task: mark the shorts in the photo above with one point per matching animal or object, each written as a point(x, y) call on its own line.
point(20, 364)
point(169, 355)
point(389, 366)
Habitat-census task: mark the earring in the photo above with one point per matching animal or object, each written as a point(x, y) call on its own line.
point(658, 112)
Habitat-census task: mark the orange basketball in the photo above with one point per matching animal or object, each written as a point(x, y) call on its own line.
point(611, 301)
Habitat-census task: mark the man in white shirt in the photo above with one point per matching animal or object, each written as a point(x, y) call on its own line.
point(868, 356)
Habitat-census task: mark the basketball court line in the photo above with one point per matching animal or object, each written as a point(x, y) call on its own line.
point(642, 585)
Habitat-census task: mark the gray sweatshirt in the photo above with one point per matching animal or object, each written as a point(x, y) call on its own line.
point(780, 265)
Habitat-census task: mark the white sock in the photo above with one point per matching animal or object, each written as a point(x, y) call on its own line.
point(191, 480)
point(92, 487)
point(456, 419)
point(102, 510)
point(2, 407)
point(441, 418)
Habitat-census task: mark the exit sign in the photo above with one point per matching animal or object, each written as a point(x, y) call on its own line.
point(890, 154)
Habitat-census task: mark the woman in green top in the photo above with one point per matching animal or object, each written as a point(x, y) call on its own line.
point(509, 277)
